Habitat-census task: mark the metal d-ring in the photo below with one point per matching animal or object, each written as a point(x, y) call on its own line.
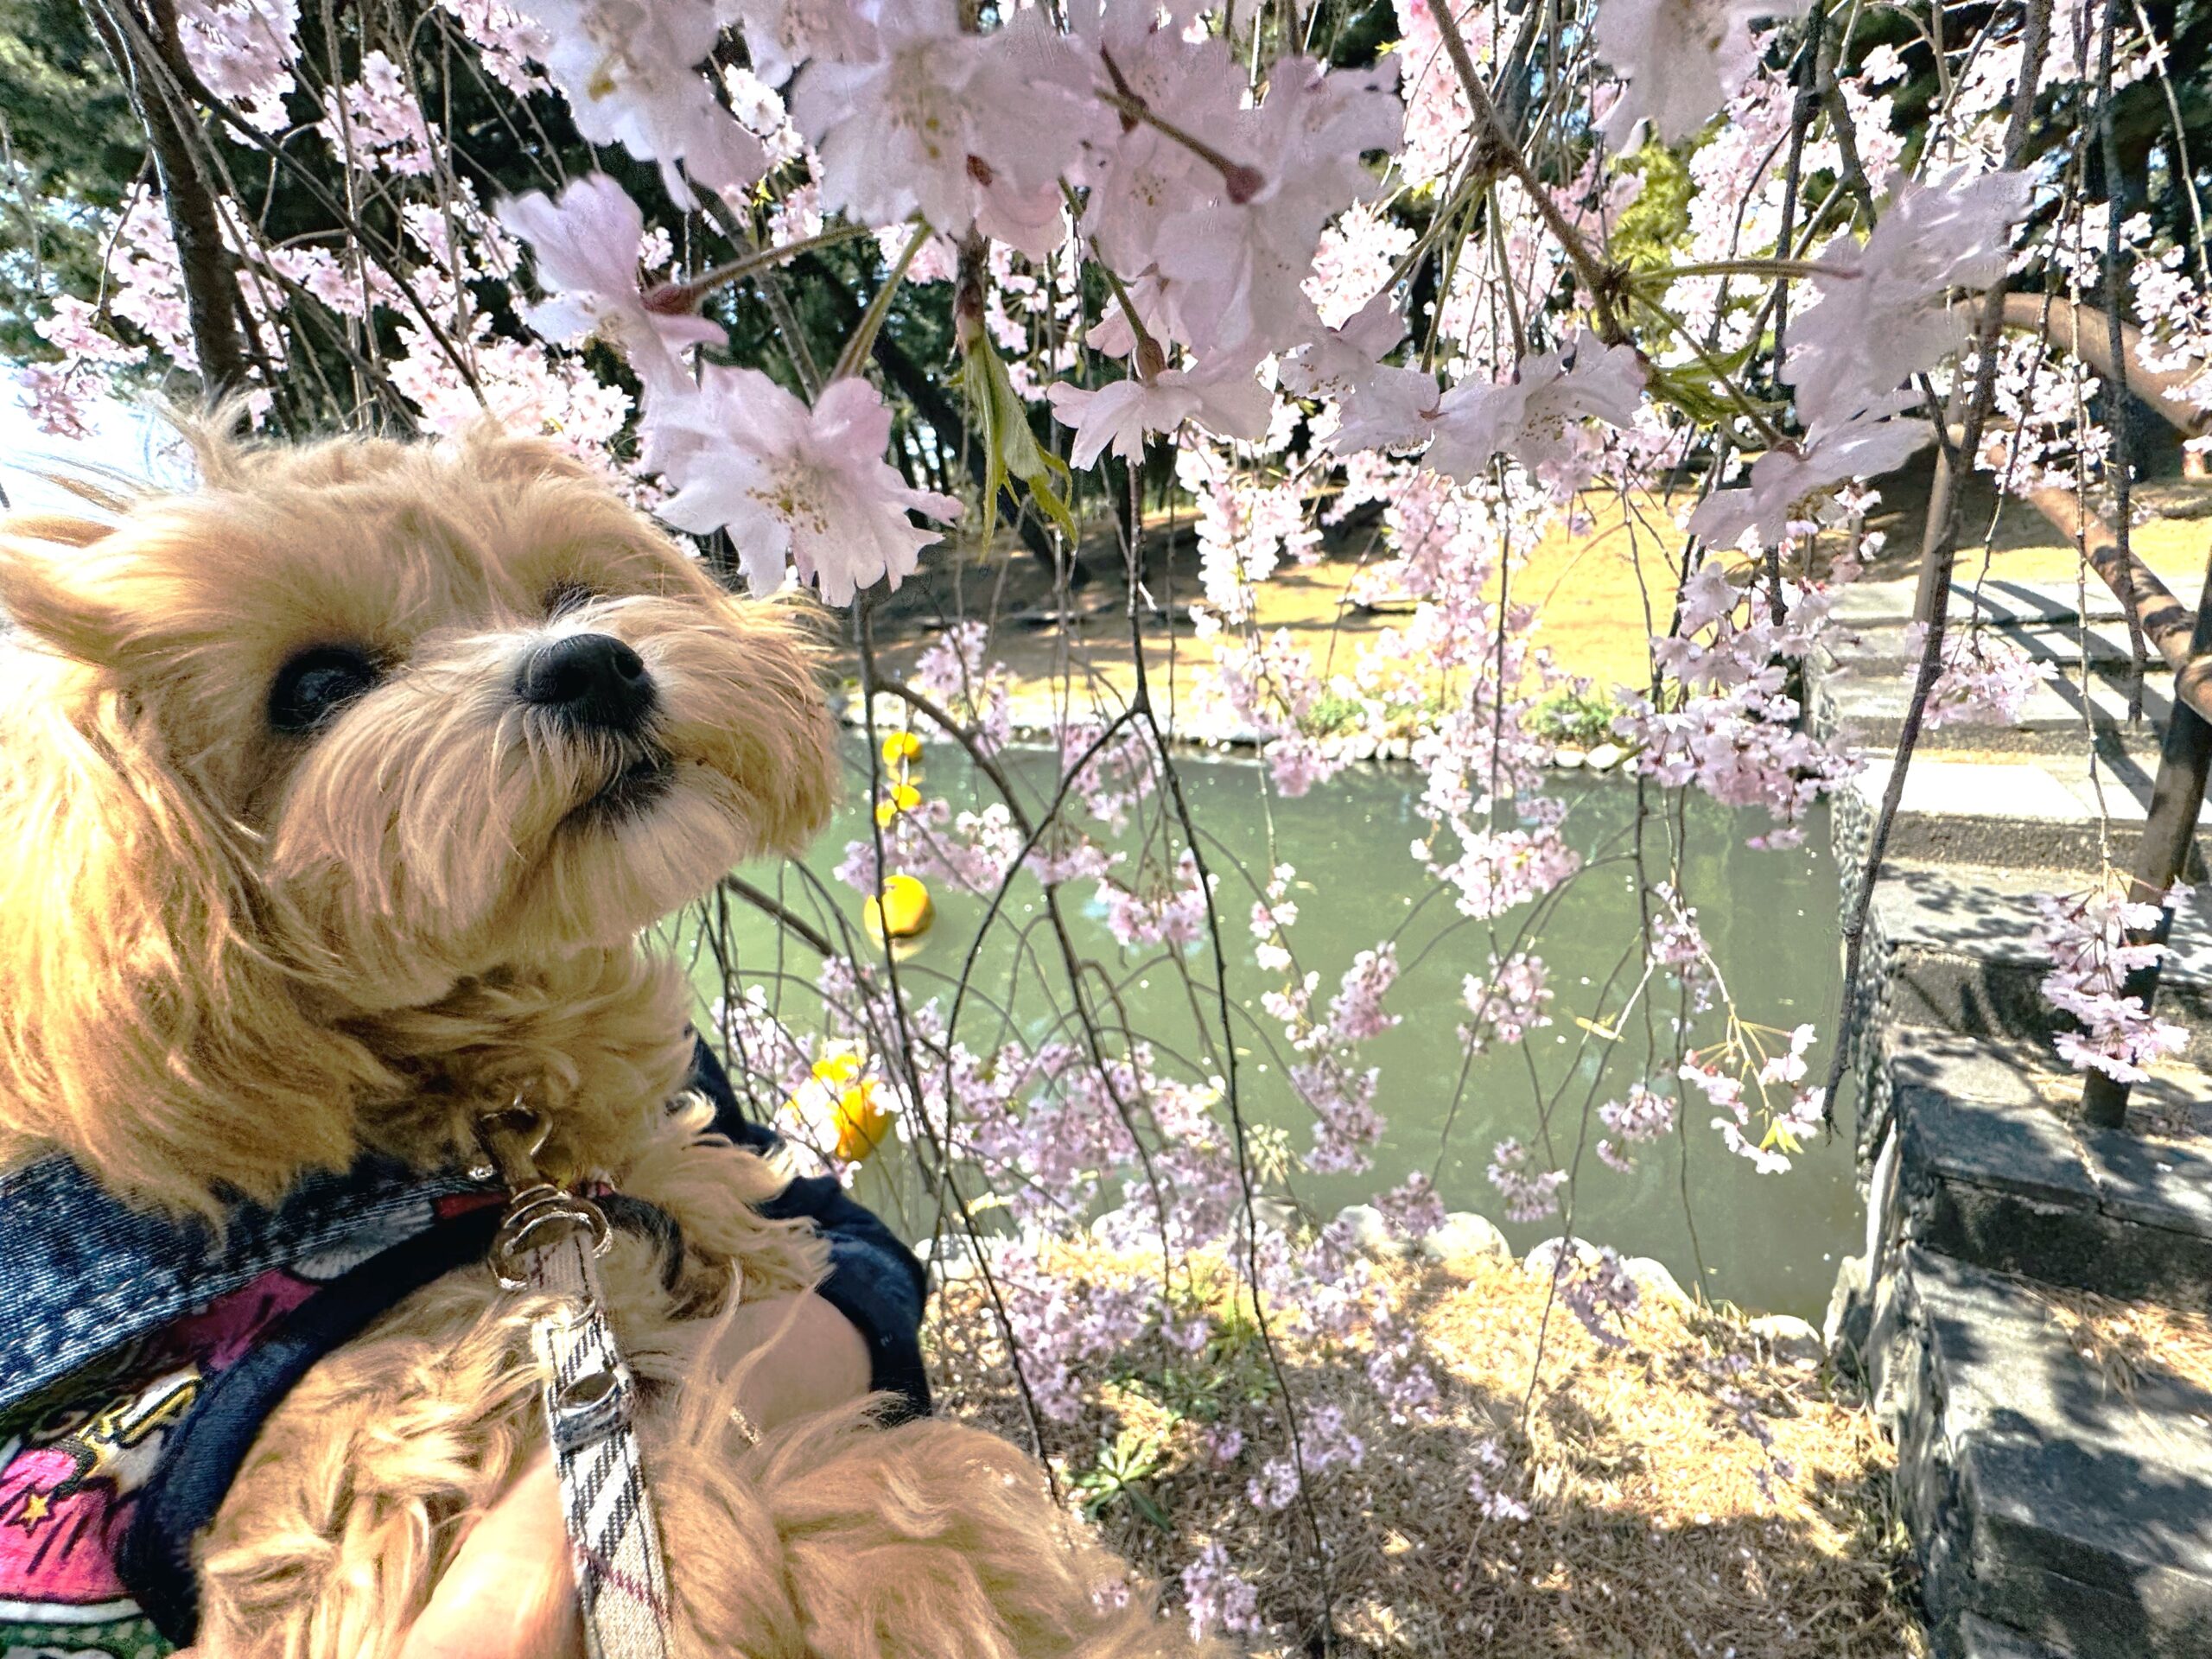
point(535, 1211)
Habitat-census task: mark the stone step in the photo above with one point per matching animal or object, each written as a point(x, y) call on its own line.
point(2104, 645)
point(2046, 1507)
point(1956, 948)
point(1877, 604)
point(2025, 812)
point(2060, 715)
point(1976, 1637)
point(1981, 1154)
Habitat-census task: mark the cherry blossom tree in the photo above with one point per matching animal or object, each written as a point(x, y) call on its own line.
point(839, 288)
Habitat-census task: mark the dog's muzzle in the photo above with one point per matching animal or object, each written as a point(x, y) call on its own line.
point(588, 681)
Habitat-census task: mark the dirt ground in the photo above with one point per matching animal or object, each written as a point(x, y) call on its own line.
point(1599, 591)
point(1683, 1493)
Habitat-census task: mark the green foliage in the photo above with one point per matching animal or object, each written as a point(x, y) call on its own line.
point(1655, 227)
point(72, 147)
point(1582, 716)
point(1330, 713)
point(1119, 1475)
point(1010, 448)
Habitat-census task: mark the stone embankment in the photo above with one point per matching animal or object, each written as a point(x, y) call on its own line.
point(2059, 1505)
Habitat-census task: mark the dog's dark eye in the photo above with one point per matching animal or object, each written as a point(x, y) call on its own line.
point(316, 683)
point(565, 596)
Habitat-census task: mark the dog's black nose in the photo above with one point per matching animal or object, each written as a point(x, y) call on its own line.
point(590, 680)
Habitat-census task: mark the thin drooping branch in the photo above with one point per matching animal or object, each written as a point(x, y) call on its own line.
point(1946, 508)
point(1594, 275)
point(2120, 476)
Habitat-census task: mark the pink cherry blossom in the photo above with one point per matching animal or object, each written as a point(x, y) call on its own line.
point(790, 483)
point(1218, 1598)
point(1531, 1192)
point(242, 50)
point(1510, 1004)
point(588, 244)
point(631, 71)
point(1984, 679)
point(61, 395)
point(2086, 935)
point(1643, 1116)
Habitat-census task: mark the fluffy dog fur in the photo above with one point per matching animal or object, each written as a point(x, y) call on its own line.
point(234, 955)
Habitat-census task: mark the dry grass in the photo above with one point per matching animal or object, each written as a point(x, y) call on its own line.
point(2128, 1340)
point(1658, 1525)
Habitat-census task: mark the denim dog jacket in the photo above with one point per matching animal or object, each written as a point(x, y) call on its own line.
point(140, 1354)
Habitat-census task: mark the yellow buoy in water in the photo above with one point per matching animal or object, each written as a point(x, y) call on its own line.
point(860, 1124)
point(904, 913)
point(859, 1120)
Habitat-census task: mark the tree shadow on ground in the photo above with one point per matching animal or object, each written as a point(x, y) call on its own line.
point(1683, 1493)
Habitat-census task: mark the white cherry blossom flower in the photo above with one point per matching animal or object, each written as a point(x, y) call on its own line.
point(1866, 446)
point(781, 34)
point(1238, 265)
point(1225, 399)
point(789, 482)
point(1530, 417)
point(630, 71)
point(1119, 416)
point(1883, 312)
point(1683, 60)
point(964, 130)
point(1337, 360)
point(1392, 409)
point(1136, 174)
point(589, 246)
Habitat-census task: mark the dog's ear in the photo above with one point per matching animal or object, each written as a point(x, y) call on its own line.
point(144, 1020)
point(38, 595)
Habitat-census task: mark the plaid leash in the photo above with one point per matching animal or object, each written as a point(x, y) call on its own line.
point(548, 1244)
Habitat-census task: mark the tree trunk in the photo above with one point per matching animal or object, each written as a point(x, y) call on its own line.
point(210, 283)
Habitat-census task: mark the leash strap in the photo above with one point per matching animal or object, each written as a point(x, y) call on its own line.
point(547, 1245)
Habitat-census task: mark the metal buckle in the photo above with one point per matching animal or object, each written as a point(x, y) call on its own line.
point(511, 1140)
point(589, 1406)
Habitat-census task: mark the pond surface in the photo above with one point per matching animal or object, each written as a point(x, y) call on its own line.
point(1767, 1241)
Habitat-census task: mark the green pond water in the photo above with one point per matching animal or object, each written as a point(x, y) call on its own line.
point(1767, 1241)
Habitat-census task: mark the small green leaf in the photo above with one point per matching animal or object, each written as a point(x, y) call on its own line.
point(1010, 448)
point(1150, 1510)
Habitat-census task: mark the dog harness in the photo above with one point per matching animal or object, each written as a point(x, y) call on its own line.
point(140, 1355)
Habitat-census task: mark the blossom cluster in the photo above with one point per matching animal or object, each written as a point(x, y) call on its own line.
point(2087, 936)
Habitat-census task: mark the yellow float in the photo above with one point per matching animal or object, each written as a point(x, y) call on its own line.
point(857, 1121)
point(861, 1123)
point(906, 909)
